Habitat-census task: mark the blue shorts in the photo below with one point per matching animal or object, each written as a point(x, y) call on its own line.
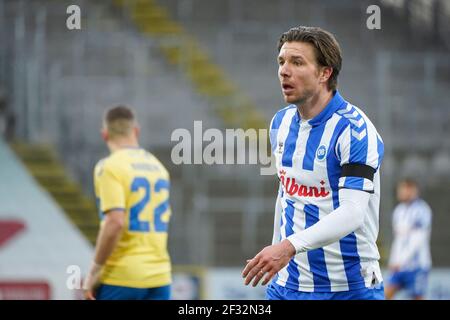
point(277, 292)
point(108, 292)
point(414, 282)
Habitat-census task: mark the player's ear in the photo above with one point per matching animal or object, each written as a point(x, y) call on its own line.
point(104, 134)
point(325, 73)
point(137, 130)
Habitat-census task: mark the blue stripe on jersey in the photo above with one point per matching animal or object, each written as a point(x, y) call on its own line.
point(292, 268)
point(316, 257)
point(347, 244)
point(358, 149)
point(354, 183)
point(291, 141)
point(333, 163)
point(315, 135)
point(350, 256)
point(276, 122)
point(380, 150)
point(358, 146)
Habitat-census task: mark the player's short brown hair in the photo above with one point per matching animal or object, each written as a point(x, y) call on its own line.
point(408, 181)
point(119, 121)
point(326, 47)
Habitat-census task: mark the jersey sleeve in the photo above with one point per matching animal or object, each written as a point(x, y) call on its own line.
point(274, 126)
point(360, 151)
point(422, 216)
point(109, 190)
point(273, 132)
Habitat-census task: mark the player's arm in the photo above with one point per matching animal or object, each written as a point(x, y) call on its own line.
point(107, 240)
point(336, 225)
point(360, 152)
point(109, 235)
point(342, 221)
point(112, 204)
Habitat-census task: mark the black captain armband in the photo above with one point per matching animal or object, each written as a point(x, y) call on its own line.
point(358, 170)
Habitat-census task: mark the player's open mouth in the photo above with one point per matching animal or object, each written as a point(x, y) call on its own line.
point(287, 88)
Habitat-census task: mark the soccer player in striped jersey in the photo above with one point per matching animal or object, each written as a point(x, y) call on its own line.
point(328, 156)
point(410, 259)
point(131, 259)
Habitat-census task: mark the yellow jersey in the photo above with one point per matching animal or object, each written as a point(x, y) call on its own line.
point(134, 180)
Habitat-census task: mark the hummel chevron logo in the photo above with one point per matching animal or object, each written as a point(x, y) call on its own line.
point(353, 115)
point(347, 109)
point(359, 136)
point(357, 123)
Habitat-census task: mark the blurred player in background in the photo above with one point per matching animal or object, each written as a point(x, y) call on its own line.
point(132, 188)
point(410, 259)
point(328, 155)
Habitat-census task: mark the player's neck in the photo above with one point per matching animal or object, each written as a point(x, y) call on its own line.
point(122, 144)
point(314, 105)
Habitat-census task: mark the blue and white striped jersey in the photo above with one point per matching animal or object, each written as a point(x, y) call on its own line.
point(339, 148)
point(412, 228)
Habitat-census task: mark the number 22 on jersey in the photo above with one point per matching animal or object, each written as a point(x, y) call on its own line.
point(137, 225)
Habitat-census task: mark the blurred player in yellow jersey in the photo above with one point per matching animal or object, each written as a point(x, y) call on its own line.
point(132, 188)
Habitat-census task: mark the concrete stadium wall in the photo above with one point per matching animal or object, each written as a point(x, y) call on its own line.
point(37, 241)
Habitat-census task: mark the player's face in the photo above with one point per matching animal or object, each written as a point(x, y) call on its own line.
point(298, 72)
point(406, 192)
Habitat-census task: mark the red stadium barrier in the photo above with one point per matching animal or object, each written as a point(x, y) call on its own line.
point(24, 290)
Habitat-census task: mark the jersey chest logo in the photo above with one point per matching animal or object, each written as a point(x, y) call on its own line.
point(321, 153)
point(291, 187)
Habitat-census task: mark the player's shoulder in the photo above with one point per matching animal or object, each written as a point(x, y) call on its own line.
point(109, 163)
point(115, 159)
point(149, 156)
point(422, 205)
point(356, 120)
point(279, 115)
point(351, 115)
point(99, 166)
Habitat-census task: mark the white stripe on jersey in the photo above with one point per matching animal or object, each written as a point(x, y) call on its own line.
point(344, 140)
point(283, 274)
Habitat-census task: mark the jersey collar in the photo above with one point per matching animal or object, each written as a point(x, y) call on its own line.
point(335, 104)
point(124, 148)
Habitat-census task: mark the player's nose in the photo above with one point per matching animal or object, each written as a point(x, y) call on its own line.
point(284, 71)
